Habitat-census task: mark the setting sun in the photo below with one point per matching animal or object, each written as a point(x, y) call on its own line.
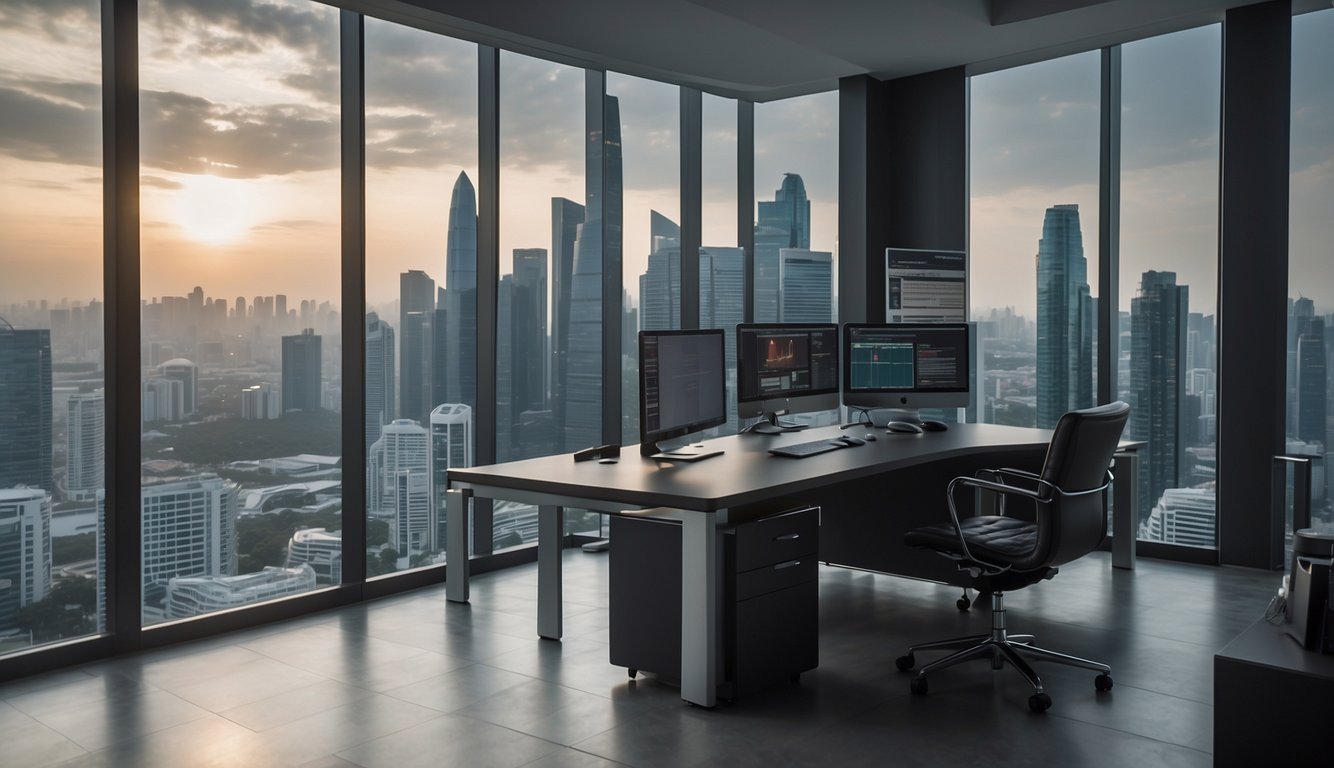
point(212, 210)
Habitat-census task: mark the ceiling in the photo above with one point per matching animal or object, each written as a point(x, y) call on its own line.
point(768, 49)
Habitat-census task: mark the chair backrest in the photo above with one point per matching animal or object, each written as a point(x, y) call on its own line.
point(1071, 526)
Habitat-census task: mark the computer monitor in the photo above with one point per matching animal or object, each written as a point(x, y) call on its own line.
point(682, 389)
point(785, 368)
point(905, 366)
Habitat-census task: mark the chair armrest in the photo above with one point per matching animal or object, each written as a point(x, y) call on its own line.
point(978, 483)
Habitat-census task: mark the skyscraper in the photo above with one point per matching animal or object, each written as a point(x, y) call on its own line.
point(529, 329)
point(805, 286)
point(660, 285)
point(85, 447)
point(416, 313)
point(451, 446)
point(566, 216)
point(460, 297)
point(1309, 332)
point(380, 407)
point(25, 407)
point(583, 383)
point(25, 550)
point(204, 508)
point(262, 401)
point(187, 373)
point(301, 371)
point(1157, 382)
point(784, 222)
point(1065, 318)
point(398, 483)
point(721, 281)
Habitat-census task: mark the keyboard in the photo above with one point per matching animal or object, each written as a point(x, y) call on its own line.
point(802, 450)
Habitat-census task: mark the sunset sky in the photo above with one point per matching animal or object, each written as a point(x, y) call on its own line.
point(240, 161)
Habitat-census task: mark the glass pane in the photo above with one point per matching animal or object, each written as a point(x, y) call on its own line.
point(421, 286)
point(1033, 190)
point(650, 120)
point(549, 316)
point(796, 224)
point(1170, 99)
point(1310, 270)
point(721, 262)
point(52, 409)
point(240, 198)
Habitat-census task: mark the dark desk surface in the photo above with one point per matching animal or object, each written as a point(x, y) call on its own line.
point(745, 473)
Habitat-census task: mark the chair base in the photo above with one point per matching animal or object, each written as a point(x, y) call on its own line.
point(999, 648)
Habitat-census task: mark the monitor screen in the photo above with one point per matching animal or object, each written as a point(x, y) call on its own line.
point(682, 387)
point(786, 367)
point(903, 365)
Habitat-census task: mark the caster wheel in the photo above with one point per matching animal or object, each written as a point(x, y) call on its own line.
point(963, 604)
point(632, 673)
point(1103, 683)
point(918, 686)
point(1039, 702)
point(905, 663)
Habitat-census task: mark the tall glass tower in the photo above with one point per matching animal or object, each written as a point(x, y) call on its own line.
point(1065, 318)
point(805, 286)
point(416, 315)
point(25, 407)
point(1157, 382)
point(784, 222)
point(566, 216)
point(461, 296)
point(379, 376)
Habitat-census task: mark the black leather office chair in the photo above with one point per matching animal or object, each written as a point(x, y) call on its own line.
point(1001, 553)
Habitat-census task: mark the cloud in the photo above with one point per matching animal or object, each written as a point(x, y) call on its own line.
point(51, 121)
point(66, 22)
point(45, 184)
point(541, 114)
point(159, 183)
point(192, 29)
point(292, 224)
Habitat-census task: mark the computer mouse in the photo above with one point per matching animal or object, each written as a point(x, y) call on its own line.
point(931, 425)
point(851, 440)
point(904, 427)
point(607, 460)
point(869, 436)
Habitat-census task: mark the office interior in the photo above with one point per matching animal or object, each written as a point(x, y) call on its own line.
point(478, 184)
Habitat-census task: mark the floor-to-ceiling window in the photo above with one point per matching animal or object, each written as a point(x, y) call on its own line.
point(1310, 253)
point(52, 406)
point(648, 115)
point(1170, 101)
point(241, 386)
point(421, 286)
point(722, 278)
point(796, 214)
point(549, 310)
point(1033, 234)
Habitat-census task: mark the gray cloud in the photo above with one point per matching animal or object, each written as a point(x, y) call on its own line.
point(59, 21)
point(541, 114)
point(158, 182)
point(798, 136)
point(205, 28)
point(43, 123)
point(45, 184)
point(1312, 95)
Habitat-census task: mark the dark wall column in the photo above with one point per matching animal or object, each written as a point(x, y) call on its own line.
point(1109, 224)
point(1253, 278)
point(745, 197)
point(488, 280)
point(692, 164)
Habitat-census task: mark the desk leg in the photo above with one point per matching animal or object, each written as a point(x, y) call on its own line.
point(1125, 516)
point(456, 546)
point(550, 610)
point(700, 626)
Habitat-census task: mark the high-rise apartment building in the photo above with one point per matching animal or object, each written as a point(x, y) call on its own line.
point(187, 373)
point(583, 374)
point(805, 286)
point(262, 401)
point(319, 548)
point(398, 483)
point(25, 407)
point(85, 446)
point(25, 551)
point(163, 400)
point(1065, 318)
point(451, 446)
point(1157, 382)
point(380, 406)
point(205, 507)
point(302, 371)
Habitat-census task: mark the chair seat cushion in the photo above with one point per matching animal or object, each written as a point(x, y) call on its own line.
point(990, 537)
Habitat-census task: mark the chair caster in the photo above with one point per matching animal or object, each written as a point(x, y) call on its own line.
point(632, 672)
point(905, 663)
point(918, 686)
point(1103, 682)
point(963, 604)
point(1039, 703)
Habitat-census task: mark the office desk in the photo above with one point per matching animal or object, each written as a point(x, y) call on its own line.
point(703, 496)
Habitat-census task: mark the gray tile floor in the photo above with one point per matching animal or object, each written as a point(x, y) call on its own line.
point(414, 681)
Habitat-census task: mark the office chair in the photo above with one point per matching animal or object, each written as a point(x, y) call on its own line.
point(1000, 553)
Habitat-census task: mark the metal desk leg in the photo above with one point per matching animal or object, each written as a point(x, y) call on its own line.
point(550, 608)
point(456, 546)
point(1125, 516)
point(699, 606)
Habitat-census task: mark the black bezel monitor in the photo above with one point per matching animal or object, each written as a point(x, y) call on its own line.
point(927, 365)
point(803, 381)
point(691, 367)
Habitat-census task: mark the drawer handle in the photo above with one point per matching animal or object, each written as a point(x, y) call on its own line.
point(787, 537)
point(788, 564)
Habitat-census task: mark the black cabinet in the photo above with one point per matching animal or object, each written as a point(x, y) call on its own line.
point(769, 600)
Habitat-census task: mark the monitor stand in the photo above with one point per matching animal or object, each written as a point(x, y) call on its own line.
point(683, 450)
point(881, 416)
point(771, 424)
